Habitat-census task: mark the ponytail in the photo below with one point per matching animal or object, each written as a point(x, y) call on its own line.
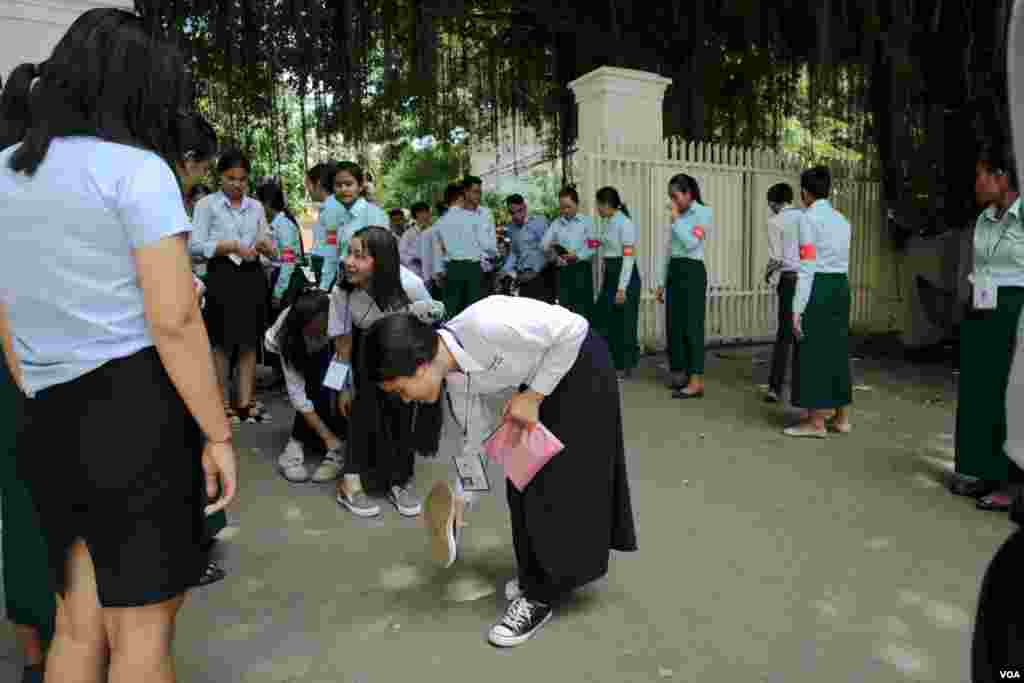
point(16, 105)
point(609, 196)
point(686, 184)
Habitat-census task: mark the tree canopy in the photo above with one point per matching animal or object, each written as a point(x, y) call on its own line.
point(914, 79)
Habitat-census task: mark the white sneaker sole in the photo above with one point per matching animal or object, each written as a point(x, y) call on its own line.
point(358, 512)
point(440, 516)
point(506, 641)
point(294, 480)
point(407, 511)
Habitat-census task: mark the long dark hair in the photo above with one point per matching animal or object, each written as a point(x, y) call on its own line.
point(685, 183)
point(385, 286)
point(198, 139)
point(609, 196)
point(291, 342)
point(109, 78)
point(271, 195)
point(396, 345)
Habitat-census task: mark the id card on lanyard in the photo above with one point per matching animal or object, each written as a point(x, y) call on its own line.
point(986, 292)
point(469, 465)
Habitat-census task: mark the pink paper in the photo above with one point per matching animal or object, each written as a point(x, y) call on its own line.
point(522, 452)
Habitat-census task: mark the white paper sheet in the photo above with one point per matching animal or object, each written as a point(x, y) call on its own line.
point(336, 375)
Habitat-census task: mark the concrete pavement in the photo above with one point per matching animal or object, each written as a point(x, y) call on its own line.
point(761, 557)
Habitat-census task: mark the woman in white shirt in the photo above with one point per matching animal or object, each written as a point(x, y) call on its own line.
point(111, 342)
point(556, 371)
point(299, 337)
point(230, 231)
point(384, 433)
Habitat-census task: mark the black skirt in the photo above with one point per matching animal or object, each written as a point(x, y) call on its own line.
point(236, 303)
point(131, 482)
point(385, 433)
point(578, 506)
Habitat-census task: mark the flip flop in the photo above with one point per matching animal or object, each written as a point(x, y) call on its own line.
point(839, 429)
point(995, 502)
point(803, 432)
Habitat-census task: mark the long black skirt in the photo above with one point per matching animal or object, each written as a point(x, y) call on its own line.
point(236, 304)
point(385, 434)
point(578, 506)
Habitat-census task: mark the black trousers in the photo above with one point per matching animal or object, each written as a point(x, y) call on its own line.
point(323, 404)
point(785, 340)
point(543, 287)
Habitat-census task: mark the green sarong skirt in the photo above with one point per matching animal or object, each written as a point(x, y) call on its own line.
point(618, 324)
point(576, 288)
point(29, 593)
point(685, 311)
point(987, 342)
point(821, 367)
point(462, 288)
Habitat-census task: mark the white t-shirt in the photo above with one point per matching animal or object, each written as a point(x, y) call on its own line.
point(358, 309)
point(72, 292)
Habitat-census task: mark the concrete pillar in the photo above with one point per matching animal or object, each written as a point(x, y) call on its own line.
point(29, 29)
point(620, 106)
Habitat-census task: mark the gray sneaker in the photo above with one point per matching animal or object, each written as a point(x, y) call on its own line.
point(405, 500)
point(359, 504)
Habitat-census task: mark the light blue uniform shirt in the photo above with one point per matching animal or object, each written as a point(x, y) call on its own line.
point(72, 292)
point(999, 246)
point(572, 235)
point(464, 236)
point(215, 220)
point(619, 231)
point(687, 236)
point(824, 248)
point(287, 239)
point(487, 216)
point(320, 246)
point(527, 252)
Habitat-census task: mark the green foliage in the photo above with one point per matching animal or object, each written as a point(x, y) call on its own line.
point(420, 175)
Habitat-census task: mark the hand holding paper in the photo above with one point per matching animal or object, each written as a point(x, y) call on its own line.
point(522, 452)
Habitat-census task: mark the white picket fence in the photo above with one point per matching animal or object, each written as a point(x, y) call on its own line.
point(734, 182)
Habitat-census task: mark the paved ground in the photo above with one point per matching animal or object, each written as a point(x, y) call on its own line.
point(762, 559)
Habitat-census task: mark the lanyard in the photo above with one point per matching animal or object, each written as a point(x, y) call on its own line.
point(469, 390)
point(995, 247)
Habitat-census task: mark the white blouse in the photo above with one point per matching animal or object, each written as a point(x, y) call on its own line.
point(358, 309)
point(293, 379)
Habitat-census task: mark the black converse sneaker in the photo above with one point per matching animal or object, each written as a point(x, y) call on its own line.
point(522, 620)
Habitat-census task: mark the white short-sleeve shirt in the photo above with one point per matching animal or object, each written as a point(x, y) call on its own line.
point(74, 298)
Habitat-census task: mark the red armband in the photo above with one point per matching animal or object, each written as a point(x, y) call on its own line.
point(593, 244)
point(627, 250)
point(332, 238)
point(288, 256)
point(808, 252)
point(698, 232)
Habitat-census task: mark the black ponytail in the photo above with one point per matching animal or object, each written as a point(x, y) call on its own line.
point(15, 105)
point(685, 183)
point(609, 196)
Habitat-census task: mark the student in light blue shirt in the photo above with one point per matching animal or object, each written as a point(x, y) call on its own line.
point(617, 309)
point(288, 277)
point(320, 187)
point(465, 241)
point(683, 286)
point(821, 312)
point(571, 241)
point(527, 260)
point(351, 213)
point(474, 192)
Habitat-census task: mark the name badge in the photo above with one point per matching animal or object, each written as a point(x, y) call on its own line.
point(986, 294)
point(332, 238)
point(337, 374)
point(472, 472)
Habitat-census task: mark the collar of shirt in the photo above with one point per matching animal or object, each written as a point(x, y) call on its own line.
point(820, 204)
point(466, 362)
point(248, 203)
point(1014, 210)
